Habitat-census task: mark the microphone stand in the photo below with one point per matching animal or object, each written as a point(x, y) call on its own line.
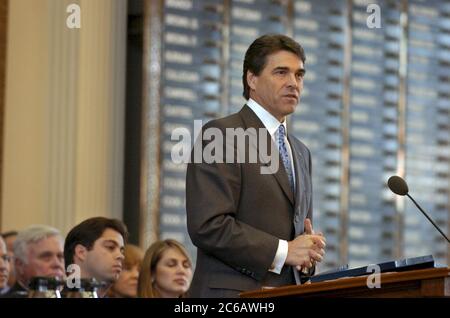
point(429, 219)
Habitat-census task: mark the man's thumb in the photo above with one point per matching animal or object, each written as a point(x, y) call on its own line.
point(308, 227)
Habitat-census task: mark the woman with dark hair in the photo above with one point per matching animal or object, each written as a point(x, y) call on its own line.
point(166, 271)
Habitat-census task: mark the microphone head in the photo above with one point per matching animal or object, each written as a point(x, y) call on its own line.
point(398, 185)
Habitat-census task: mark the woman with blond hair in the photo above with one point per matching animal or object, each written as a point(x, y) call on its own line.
point(166, 271)
point(126, 284)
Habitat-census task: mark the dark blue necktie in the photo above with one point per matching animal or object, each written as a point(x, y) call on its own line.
point(285, 155)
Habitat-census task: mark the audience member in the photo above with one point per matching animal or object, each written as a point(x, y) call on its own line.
point(126, 285)
point(38, 251)
point(96, 245)
point(9, 238)
point(5, 261)
point(166, 271)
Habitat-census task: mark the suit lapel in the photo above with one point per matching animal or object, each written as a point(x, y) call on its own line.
point(252, 121)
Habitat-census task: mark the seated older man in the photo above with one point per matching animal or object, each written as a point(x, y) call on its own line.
point(38, 251)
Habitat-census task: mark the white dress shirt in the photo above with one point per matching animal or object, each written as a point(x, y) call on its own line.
point(272, 124)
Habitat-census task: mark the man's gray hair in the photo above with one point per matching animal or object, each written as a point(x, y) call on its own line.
point(32, 234)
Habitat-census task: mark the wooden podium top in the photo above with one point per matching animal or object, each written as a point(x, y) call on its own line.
point(433, 282)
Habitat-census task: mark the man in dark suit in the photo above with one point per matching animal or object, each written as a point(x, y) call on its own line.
point(253, 228)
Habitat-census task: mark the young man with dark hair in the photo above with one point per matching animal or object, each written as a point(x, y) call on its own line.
point(96, 245)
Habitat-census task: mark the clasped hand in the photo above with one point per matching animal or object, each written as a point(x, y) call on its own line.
point(306, 249)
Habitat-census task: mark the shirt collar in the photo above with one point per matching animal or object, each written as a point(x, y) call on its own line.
point(268, 120)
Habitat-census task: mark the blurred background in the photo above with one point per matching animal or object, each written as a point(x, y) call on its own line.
point(87, 113)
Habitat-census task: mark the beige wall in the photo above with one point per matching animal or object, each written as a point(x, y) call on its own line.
point(3, 33)
point(64, 113)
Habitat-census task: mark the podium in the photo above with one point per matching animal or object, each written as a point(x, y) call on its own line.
point(433, 282)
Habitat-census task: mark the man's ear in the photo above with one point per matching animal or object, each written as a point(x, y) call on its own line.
point(80, 253)
point(252, 79)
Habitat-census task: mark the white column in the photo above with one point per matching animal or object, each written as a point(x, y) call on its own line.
point(64, 113)
point(100, 112)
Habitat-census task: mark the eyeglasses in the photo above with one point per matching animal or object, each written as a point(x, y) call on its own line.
point(6, 258)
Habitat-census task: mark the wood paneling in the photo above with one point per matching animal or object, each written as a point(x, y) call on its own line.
point(434, 282)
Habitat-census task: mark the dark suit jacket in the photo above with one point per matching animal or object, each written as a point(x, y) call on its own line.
point(236, 216)
point(17, 291)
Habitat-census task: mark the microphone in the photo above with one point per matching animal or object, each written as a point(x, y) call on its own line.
point(399, 186)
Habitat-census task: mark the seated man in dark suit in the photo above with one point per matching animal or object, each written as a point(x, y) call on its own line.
point(254, 229)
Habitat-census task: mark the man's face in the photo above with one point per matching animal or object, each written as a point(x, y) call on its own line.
point(279, 85)
point(104, 260)
point(4, 265)
point(45, 258)
point(9, 247)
